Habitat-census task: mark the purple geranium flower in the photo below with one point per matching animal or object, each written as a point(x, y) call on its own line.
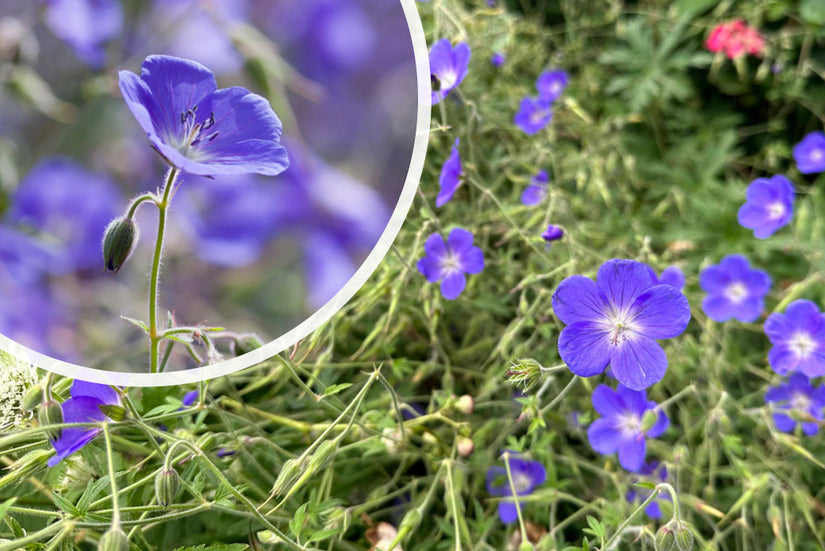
point(734, 289)
point(551, 84)
point(82, 407)
point(797, 396)
point(448, 67)
point(621, 428)
point(48, 201)
point(552, 233)
point(450, 261)
point(809, 154)
point(198, 128)
point(533, 115)
point(85, 25)
point(497, 59)
point(450, 177)
point(673, 276)
point(616, 320)
point(768, 206)
point(526, 475)
point(536, 190)
point(658, 472)
point(798, 338)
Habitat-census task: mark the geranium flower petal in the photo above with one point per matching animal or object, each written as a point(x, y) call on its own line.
point(632, 454)
point(638, 362)
point(621, 281)
point(577, 299)
point(584, 347)
point(661, 312)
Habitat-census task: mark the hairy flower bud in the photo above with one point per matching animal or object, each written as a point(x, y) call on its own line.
point(167, 483)
point(206, 442)
point(119, 241)
point(32, 398)
point(50, 413)
point(114, 539)
point(674, 536)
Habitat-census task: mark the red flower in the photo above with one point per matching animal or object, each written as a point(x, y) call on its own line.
point(735, 38)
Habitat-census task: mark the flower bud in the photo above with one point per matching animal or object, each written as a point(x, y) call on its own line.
point(289, 473)
point(465, 446)
point(32, 398)
point(114, 539)
point(167, 483)
point(51, 413)
point(246, 342)
point(119, 241)
point(526, 546)
point(649, 419)
point(524, 372)
point(411, 520)
point(206, 442)
point(465, 404)
point(674, 536)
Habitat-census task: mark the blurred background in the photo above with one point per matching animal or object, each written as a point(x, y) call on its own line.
point(247, 253)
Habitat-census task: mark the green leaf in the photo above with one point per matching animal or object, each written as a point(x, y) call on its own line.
point(4, 508)
point(136, 323)
point(335, 389)
point(66, 505)
point(646, 485)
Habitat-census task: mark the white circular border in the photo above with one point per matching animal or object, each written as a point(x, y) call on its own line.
point(323, 314)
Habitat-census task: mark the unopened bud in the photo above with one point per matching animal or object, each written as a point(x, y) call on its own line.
point(465, 404)
point(114, 539)
point(206, 442)
point(287, 476)
point(526, 546)
point(32, 398)
point(411, 520)
point(167, 483)
point(674, 536)
point(51, 413)
point(649, 419)
point(119, 241)
point(465, 446)
point(246, 342)
point(319, 459)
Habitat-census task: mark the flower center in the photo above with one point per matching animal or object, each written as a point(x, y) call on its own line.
point(537, 117)
point(800, 402)
point(451, 262)
point(620, 327)
point(817, 155)
point(776, 210)
point(194, 133)
point(521, 482)
point(736, 292)
point(630, 424)
point(447, 80)
point(802, 344)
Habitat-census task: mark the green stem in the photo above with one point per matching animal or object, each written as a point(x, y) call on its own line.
point(154, 336)
point(136, 202)
point(110, 461)
point(620, 530)
point(515, 496)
